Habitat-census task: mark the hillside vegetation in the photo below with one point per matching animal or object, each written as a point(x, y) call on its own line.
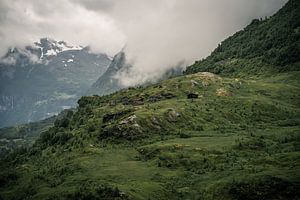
point(264, 47)
point(238, 138)
point(24, 135)
point(196, 136)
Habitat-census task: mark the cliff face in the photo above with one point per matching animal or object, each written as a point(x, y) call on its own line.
point(107, 83)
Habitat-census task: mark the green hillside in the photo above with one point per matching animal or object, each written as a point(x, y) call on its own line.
point(24, 135)
point(223, 135)
point(238, 138)
point(264, 47)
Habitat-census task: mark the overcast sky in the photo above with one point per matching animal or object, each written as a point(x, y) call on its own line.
point(157, 33)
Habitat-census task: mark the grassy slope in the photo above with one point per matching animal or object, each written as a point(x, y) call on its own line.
point(239, 139)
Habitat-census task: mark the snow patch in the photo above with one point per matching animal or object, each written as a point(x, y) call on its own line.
point(42, 53)
point(51, 52)
point(64, 47)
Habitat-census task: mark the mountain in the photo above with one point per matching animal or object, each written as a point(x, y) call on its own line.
point(41, 80)
point(109, 83)
point(229, 136)
point(264, 47)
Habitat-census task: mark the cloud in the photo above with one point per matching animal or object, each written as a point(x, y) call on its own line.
point(24, 22)
point(96, 5)
point(8, 61)
point(162, 33)
point(158, 34)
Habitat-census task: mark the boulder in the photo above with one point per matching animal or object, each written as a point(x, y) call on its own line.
point(173, 115)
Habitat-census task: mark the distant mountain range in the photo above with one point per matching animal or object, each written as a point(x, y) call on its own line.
point(40, 80)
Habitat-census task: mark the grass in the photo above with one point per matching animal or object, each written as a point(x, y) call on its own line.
point(219, 146)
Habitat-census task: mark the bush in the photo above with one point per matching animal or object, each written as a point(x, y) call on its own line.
point(92, 192)
point(52, 137)
point(264, 188)
point(64, 122)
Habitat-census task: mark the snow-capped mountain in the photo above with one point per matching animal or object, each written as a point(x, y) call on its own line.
point(39, 52)
point(40, 80)
point(49, 47)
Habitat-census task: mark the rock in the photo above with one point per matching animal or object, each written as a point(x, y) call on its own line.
point(125, 101)
point(127, 129)
point(129, 120)
point(194, 83)
point(154, 121)
point(223, 92)
point(173, 115)
point(113, 116)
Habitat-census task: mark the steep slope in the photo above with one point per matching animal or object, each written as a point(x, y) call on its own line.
point(264, 47)
point(196, 136)
point(41, 80)
point(107, 83)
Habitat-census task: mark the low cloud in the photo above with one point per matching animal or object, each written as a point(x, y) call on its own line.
point(158, 34)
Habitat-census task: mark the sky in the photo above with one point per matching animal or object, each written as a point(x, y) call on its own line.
point(156, 35)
